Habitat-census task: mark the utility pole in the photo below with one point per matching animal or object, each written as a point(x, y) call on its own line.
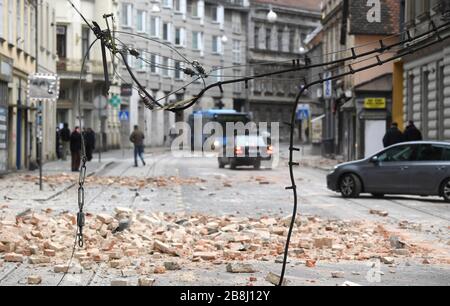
point(39, 141)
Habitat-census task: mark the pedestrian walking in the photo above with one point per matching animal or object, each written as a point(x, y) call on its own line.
point(412, 133)
point(90, 143)
point(58, 144)
point(393, 136)
point(65, 141)
point(137, 138)
point(75, 149)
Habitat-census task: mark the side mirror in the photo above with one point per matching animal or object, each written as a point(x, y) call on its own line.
point(375, 160)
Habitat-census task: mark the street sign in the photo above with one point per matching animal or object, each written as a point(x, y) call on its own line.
point(328, 86)
point(124, 116)
point(43, 87)
point(115, 101)
point(303, 112)
point(375, 103)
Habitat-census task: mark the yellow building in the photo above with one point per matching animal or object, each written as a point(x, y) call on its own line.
point(19, 56)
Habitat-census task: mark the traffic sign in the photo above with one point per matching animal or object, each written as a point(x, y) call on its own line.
point(124, 116)
point(115, 101)
point(100, 102)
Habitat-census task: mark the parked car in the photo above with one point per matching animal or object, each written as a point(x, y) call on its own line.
point(248, 150)
point(413, 168)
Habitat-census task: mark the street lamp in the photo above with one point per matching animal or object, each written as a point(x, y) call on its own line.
point(272, 16)
point(156, 9)
point(224, 39)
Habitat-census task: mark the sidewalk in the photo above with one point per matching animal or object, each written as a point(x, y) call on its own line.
point(57, 177)
point(307, 159)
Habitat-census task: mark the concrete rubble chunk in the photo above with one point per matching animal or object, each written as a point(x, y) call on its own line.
point(61, 269)
point(322, 243)
point(146, 282)
point(387, 260)
point(105, 219)
point(240, 268)
point(172, 266)
point(13, 257)
point(206, 255)
point(34, 280)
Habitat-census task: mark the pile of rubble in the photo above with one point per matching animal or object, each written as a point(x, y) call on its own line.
point(115, 181)
point(158, 243)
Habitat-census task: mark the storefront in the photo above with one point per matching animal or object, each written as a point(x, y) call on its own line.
point(5, 78)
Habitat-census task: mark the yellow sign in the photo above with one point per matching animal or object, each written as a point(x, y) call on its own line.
point(375, 103)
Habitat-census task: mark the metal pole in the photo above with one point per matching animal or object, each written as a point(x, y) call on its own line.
point(100, 148)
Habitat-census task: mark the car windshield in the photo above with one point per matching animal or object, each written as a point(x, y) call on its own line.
point(250, 141)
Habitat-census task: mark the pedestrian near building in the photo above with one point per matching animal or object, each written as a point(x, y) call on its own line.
point(412, 133)
point(393, 136)
point(90, 143)
point(137, 138)
point(75, 149)
point(58, 144)
point(65, 141)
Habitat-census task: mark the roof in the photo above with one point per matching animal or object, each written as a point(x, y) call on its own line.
point(309, 5)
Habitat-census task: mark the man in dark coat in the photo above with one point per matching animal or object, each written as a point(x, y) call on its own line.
point(58, 144)
point(75, 149)
point(137, 138)
point(393, 136)
point(65, 141)
point(90, 143)
point(412, 133)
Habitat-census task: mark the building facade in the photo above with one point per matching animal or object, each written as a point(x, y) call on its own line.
point(73, 38)
point(280, 41)
point(21, 24)
point(359, 108)
point(424, 77)
point(210, 32)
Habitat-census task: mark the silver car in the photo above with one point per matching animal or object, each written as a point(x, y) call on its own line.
point(413, 168)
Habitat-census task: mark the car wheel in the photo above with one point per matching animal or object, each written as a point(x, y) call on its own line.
point(233, 165)
point(378, 195)
point(221, 165)
point(445, 190)
point(350, 186)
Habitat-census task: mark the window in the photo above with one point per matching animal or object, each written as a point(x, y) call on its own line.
point(440, 100)
point(85, 42)
point(236, 21)
point(430, 153)
point(178, 72)
point(217, 74)
point(142, 21)
point(167, 3)
point(141, 62)
point(61, 41)
point(167, 30)
point(292, 40)
point(177, 5)
point(154, 60)
point(280, 40)
point(127, 14)
point(131, 60)
point(180, 37)
point(216, 45)
point(410, 97)
point(268, 39)
point(194, 9)
point(155, 27)
point(237, 56)
point(197, 41)
point(237, 87)
point(424, 101)
point(165, 65)
point(398, 154)
point(446, 154)
point(256, 37)
point(19, 24)
point(10, 21)
point(215, 13)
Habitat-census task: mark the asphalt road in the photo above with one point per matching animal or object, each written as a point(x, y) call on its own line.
point(256, 193)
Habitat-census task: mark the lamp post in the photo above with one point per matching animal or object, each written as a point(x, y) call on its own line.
point(272, 16)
